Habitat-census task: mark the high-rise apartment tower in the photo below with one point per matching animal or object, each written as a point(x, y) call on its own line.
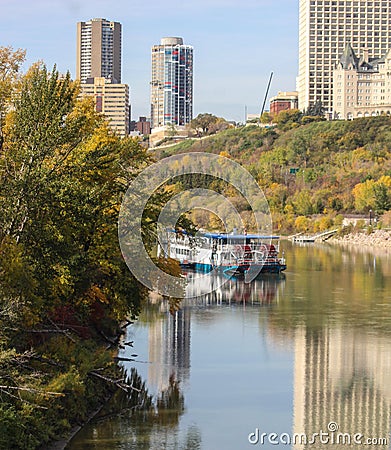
point(98, 50)
point(171, 83)
point(325, 27)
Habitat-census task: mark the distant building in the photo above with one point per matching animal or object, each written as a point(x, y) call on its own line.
point(132, 125)
point(98, 50)
point(283, 101)
point(252, 118)
point(174, 133)
point(98, 67)
point(171, 83)
point(325, 27)
point(361, 85)
point(112, 100)
point(143, 126)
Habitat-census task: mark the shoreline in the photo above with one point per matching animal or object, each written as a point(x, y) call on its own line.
point(377, 238)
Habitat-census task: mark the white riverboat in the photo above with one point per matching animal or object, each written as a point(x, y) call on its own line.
point(232, 254)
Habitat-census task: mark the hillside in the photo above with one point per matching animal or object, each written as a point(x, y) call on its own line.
point(321, 169)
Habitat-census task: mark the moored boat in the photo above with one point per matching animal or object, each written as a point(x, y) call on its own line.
point(232, 254)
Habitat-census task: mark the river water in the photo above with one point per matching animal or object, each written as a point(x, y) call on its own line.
point(306, 356)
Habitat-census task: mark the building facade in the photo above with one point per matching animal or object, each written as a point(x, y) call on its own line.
point(361, 85)
point(112, 100)
point(325, 28)
point(143, 126)
point(282, 102)
point(171, 83)
point(98, 50)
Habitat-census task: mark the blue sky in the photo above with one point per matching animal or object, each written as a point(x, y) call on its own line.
point(237, 44)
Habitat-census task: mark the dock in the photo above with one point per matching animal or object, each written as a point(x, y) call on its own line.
point(301, 238)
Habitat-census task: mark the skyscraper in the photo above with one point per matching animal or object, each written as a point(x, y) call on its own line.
point(112, 100)
point(98, 50)
point(98, 67)
point(325, 28)
point(171, 83)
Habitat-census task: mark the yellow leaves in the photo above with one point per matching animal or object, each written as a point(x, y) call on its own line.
point(386, 180)
point(289, 210)
point(170, 266)
point(364, 194)
point(373, 194)
point(68, 381)
point(10, 63)
point(84, 108)
point(62, 284)
point(302, 223)
point(324, 223)
point(225, 154)
point(360, 155)
point(14, 269)
point(95, 294)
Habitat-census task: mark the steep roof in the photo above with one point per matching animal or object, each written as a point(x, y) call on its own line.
point(349, 58)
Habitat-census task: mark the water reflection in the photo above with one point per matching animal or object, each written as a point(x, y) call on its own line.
point(169, 335)
point(169, 348)
point(342, 376)
point(284, 354)
point(217, 289)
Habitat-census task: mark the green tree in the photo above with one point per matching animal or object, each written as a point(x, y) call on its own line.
point(303, 203)
point(63, 174)
point(315, 109)
point(266, 118)
point(382, 197)
point(288, 119)
point(60, 202)
point(203, 123)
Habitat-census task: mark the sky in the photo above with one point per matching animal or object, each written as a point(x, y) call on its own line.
point(237, 44)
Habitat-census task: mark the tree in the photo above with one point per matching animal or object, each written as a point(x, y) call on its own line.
point(315, 109)
point(266, 118)
point(382, 198)
point(288, 119)
point(63, 279)
point(202, 123)
point(172, 130)
point(10, 63)
point(364, 196)
point(59, 204)
point(303, 203)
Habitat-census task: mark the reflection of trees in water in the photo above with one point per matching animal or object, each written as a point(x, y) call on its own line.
point(148, 421)
point(193, 439)
point(170, 404)
point(166, 409)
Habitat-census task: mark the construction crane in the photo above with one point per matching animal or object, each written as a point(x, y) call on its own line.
point(266, 94)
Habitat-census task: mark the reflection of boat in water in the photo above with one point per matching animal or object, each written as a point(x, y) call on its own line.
point(231, 254)
point(217, 289)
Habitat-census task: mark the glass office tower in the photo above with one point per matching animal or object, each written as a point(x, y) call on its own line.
point(171, 83)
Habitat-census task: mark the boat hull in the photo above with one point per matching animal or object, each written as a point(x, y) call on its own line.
point(235, 270)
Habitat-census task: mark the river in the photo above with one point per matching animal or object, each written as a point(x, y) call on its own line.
point(301, 361)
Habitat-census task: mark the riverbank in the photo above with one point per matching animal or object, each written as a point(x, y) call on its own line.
point(377, 238)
